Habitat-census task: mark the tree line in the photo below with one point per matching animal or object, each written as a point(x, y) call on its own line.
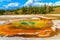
point(28, 10)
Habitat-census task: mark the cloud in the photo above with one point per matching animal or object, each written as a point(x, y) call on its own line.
point(36, 3)
point(11, 5)
point(5, 0)
point(39, 3)
point(57, 3)
point(28, 2)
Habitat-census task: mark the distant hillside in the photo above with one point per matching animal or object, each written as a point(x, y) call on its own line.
point(32, 10)
point(57, 10)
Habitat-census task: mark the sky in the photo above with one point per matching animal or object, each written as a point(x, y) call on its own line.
point(12, 4)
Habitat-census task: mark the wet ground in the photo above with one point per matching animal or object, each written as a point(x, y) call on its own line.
point(56, 37)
